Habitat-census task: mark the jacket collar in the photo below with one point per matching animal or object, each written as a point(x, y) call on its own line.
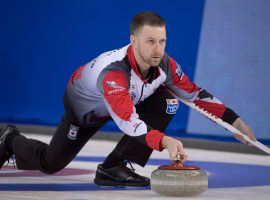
point(134, 65)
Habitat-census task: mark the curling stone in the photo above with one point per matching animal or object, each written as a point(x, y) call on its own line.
point(177, 179)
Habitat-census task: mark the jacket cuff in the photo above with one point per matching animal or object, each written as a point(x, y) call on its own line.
point(229, 116)
point(154, 140)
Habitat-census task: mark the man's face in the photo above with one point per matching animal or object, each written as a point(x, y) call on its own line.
point(149, 43)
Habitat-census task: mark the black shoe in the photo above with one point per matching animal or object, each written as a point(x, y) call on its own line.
point(5, 154)
point(119, 176)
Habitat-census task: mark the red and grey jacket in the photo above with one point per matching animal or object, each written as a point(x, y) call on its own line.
point(111, 86)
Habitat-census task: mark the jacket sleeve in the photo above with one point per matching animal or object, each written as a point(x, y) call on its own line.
point(114, 88)
point(180, 85)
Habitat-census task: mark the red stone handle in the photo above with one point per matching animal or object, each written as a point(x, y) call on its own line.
point(178, 166)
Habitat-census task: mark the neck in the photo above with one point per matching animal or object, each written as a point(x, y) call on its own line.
point(144, 72)
point(144, 67)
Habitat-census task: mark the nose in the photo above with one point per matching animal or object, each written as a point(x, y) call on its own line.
point(158, 47)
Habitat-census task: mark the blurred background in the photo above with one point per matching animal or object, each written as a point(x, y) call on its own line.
point(223, 46)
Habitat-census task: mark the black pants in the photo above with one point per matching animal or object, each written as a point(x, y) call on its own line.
point(36, 155)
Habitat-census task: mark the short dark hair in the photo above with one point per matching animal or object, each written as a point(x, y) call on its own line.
point(145, 18)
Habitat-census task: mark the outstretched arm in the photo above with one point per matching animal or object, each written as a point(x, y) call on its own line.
point(180, 85)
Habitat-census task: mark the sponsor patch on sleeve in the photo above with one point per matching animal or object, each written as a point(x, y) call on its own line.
point(113, 87)
point(73, 131)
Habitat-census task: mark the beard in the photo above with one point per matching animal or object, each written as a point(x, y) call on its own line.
point(153, 60)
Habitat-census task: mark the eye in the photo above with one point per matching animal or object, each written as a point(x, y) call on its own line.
point(151, 42)
point(162, 41)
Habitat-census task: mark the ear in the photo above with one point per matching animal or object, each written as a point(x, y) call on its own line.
point(132, 39)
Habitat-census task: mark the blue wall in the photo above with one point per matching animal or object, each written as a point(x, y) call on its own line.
point(42, 42)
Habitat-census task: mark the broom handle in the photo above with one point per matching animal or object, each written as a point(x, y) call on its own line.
point(226, 125)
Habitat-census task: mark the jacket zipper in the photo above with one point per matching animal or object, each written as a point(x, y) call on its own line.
point(141, 93)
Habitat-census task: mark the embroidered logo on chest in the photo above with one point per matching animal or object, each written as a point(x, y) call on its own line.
point(172, 106)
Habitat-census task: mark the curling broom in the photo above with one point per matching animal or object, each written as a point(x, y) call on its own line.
point(226, 125)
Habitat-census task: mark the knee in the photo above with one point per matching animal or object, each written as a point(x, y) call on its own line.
point(50, 169)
